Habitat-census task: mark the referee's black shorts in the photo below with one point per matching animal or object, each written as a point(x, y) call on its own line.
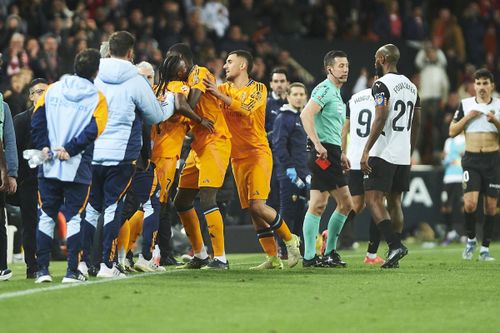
point(332, 178)
point(356, 186)
point(387, 177)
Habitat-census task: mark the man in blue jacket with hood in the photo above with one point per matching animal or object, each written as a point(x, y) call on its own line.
point(130, 102)
point(289, 151)
point(66, 121)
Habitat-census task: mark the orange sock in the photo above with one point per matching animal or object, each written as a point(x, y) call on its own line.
point(279, 226)
point(191, 224)
point(124, 237)
point(216, 231)
point(136, 222)
point(269, 245)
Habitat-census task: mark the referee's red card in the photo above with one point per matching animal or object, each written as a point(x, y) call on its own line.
point(323, 164)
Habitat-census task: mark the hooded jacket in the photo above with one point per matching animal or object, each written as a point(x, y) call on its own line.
point(131, 101)
point(72, 113)
point(289, 143)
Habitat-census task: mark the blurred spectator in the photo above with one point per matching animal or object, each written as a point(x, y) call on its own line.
point(446, 115)
point(474, 29)
point(295, 71)
point(235, 40)
point(15, 57)
point(215, 17)
point(416, 26)
point(15, 95)
point(49, 59)
point(246, 15)
point(289, 17)
point(395, 22)
point(433, 92)
point(361, 82)
point(447, 35)
point(259, 69)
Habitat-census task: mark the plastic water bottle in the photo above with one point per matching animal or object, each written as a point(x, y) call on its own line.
point(299, 183)
point(35, 157)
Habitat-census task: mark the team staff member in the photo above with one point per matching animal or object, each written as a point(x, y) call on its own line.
point(5, 273)
point(251, 158)
point(290, 156)
point(131, 102)
point(479, 118)
point(27, 189)
point(323, 119)
point(67, 119)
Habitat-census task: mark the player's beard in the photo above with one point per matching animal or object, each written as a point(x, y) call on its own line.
point(379, 70)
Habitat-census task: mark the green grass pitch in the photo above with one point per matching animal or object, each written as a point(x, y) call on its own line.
point(433, 291)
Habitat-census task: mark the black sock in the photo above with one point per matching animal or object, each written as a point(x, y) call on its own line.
point(488, 226)
point(392, 240)
point(447, 221)
point(374, 241)
point(470, 224)
point(351, 216)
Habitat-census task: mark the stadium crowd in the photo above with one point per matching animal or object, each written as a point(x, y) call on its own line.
point(40, 40)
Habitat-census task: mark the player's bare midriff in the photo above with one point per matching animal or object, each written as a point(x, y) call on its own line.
point(481, 142)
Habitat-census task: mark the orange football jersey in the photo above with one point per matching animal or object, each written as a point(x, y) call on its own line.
point(246, 117)
point(168, 136)
point(207, 107)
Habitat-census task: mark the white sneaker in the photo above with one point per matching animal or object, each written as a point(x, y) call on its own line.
point(74, 277)
point(82, 267)
point(292, 247)
point(469, 250)
point(273, 262)
point(5, 274)
point(42, 276)
point(485, 256)
point(144, 265)
point(114, 272)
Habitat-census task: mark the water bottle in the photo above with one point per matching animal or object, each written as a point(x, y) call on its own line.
point(299, 183)
point(35, 157)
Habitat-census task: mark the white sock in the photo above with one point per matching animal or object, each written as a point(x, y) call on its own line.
point(202, 254)
point(471, 240)
point(484, 249)
point(371, 255)
point(121, 256)
point(221, 258)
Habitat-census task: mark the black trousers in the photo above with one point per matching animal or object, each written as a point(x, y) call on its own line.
point(28, 198)
point(165, 230)
point(3, 234)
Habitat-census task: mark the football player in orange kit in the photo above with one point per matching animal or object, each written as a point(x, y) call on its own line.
point(243, 101)
point(205, 167)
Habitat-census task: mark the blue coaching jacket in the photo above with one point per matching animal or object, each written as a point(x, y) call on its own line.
point(131, 101)
point(72, 113)
point(289, 143)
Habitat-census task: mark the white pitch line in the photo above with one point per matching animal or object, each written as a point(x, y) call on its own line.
point(20, 293)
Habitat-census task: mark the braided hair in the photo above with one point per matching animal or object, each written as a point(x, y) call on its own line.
point(167, 72)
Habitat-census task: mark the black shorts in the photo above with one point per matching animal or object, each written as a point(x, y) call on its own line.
point(452, 195)
point(481, 173)
point(387, 177)
point(331, 178)
point(356, 182)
